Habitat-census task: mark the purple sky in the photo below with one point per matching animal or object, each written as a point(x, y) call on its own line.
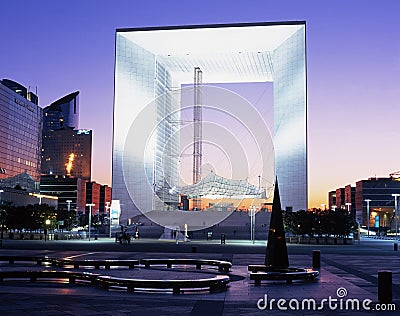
point(353, 53)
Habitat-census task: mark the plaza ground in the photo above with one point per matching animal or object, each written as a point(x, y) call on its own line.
point(352, 267)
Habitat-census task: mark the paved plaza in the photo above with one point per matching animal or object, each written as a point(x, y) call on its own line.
point(347, 272)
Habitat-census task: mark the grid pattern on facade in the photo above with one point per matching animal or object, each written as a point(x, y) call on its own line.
point(58, 147)
point(20, 140)
point(144, 56)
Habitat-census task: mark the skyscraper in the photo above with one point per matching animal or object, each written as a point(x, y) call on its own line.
point(20, 137)
point(62, 114)
point(67, 151)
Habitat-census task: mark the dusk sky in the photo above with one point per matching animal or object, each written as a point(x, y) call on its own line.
point(353, 55)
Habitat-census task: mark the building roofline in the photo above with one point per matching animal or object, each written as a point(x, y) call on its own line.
point(7, 82)
point(64, 99)
point(202, 26)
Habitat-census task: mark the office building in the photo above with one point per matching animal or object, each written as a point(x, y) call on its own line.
point(93, 196)
point(379, 194)
point(66, 189)
point(66, 150)
point(78, 191)
point(62, 114)
point(20, 137)
point(153, 63)
point(105, 199)
point(99, 195)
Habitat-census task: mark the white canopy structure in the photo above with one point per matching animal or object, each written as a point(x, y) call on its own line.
point(214, 186)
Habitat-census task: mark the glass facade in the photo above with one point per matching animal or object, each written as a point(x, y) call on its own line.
point(290, 121)
point(20, 141)
point(62, 114)
point(152, 63)
point(67, 147)
point(140, 80)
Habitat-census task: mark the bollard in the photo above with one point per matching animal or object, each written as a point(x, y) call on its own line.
point(222, 239)
point(395, 246)
point(385, 286)
point(194, 249)
point(316, 259)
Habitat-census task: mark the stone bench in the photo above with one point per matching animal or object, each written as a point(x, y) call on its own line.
point(39, 260)
point(33, 276)
point(107, 263)
point(257, 268)
point(263, 273)
point(223, 266)
point(216, 283)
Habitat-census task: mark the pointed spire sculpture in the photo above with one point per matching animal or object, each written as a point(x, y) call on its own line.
point(277, 256)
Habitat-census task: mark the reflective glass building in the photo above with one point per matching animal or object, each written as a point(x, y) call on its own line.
point(62, 114)
point(150, 62)
point(66, 150)
point(20, 137)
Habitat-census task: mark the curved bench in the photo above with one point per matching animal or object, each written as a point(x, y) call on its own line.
point(223, 266)
point(217, 283)
point(39, 260)
point(284, 274)
point(107, 263)
point(49, 274)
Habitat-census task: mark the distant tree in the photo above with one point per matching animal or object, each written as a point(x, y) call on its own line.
point(319, 222)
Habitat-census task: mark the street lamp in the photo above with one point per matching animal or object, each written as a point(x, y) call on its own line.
point(396, 195)
point(69, 204)
point(47, 222)
point(40, 198)
point(90, 216)
point(348, 207)
point(367, 200)
point(252, 214)
point(108, 209)
point(69, 207)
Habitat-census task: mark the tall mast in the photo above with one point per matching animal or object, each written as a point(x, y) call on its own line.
point(197, 123)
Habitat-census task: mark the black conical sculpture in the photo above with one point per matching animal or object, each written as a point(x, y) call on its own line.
point(276, 265)
point(277, 255)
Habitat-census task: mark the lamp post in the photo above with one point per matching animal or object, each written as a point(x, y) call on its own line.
point(252, 214)
point(90, 216)
point(69, 208)
point(348, 207)
point(396, 195)
point(69, 204)
point(367, 200)
point(40, 198)
point(47, 222)
point(108, 209)
point(1, 191)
